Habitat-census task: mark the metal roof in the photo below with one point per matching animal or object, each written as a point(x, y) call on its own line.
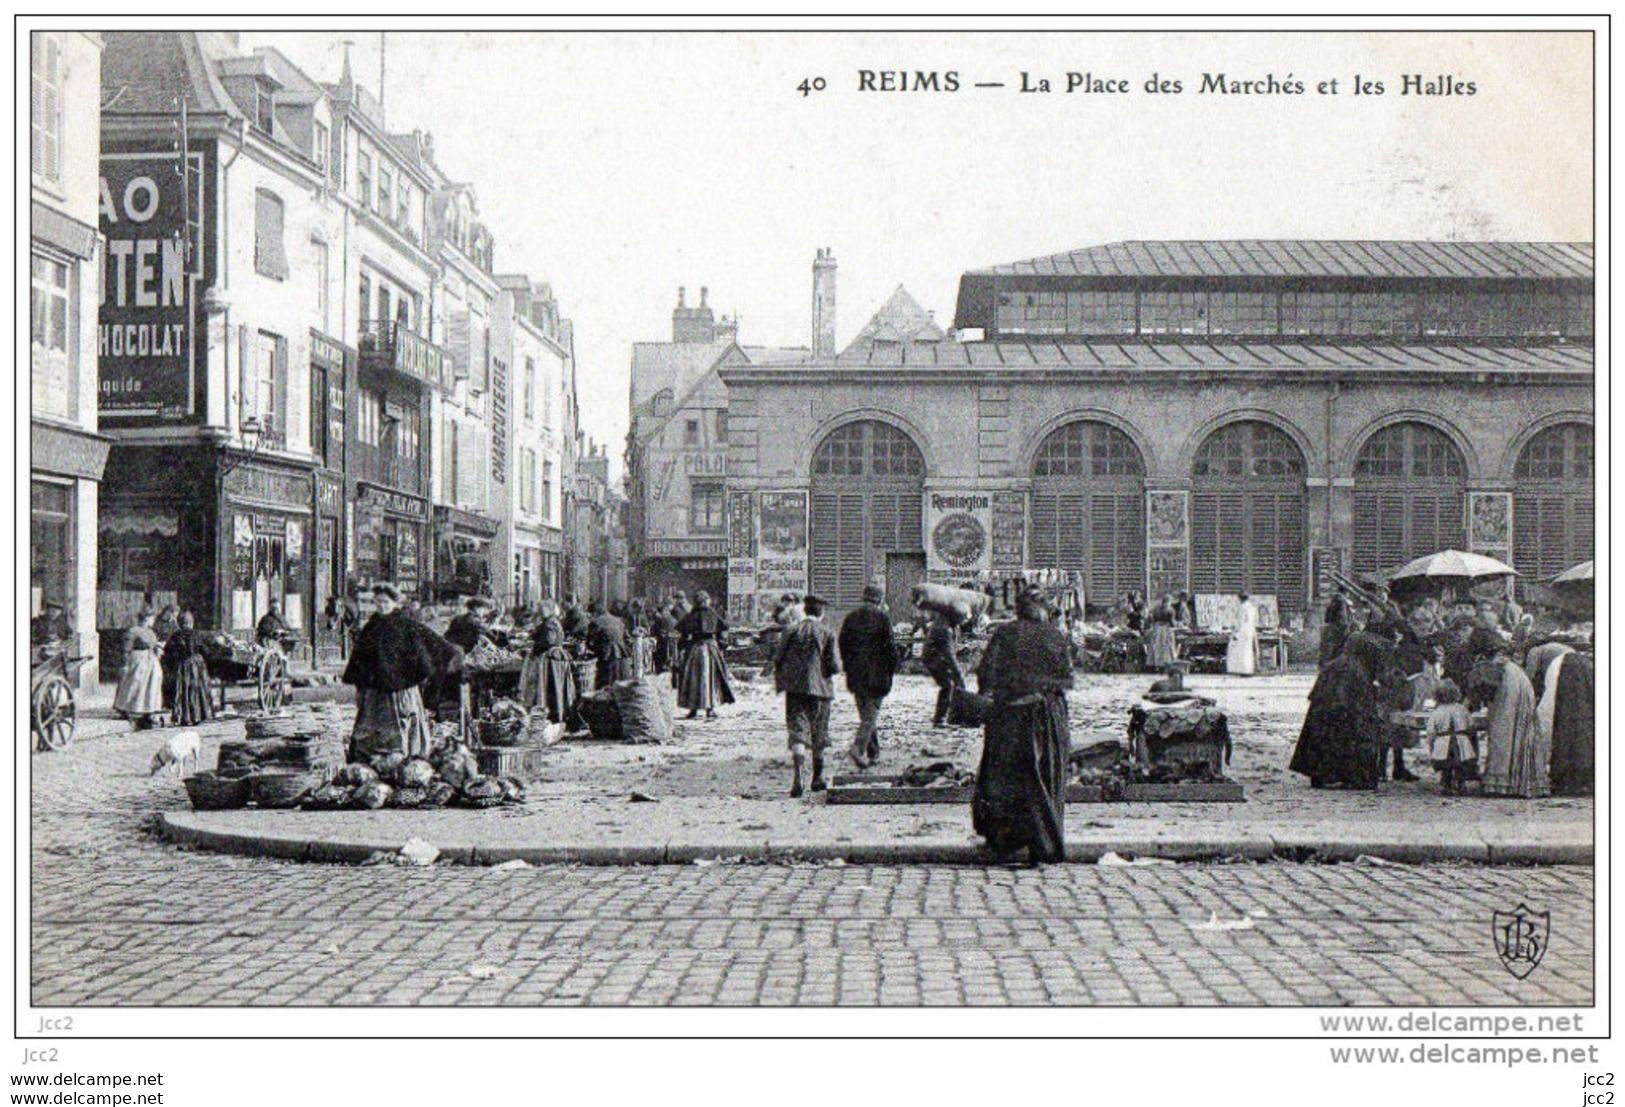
point(1048, 355)
point(1314, 258)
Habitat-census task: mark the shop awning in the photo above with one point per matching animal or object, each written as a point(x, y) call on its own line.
point(143, 521)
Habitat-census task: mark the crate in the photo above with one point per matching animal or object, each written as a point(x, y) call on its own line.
point(523, 763)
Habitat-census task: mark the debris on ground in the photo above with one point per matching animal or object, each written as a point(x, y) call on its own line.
point(1112, 858)
point(643, 797)
point(417, 852)
point(511, 866)
point(1216, 923)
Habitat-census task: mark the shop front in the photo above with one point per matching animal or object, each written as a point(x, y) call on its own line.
point(537, 564)
point(463, 549)
point(327, 563)
point(267, 539)
point(687, 565)
point(67, 465)
point(388, 540)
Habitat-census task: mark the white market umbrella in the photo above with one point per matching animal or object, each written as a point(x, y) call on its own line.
point(1457, 564)
point(1584, 572)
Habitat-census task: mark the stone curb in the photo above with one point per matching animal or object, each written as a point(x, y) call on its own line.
point(180, 828)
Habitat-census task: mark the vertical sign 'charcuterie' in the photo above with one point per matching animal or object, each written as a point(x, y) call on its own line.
point(149, 285)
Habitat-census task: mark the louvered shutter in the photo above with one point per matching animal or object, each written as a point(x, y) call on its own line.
point(1042, 537)
point(825, 555)
point(883, 521)
point(854, 563)
point(458, 335)
point(1204, 542)
point(1291, 566)
point(1232, 541)
point(1583, 524)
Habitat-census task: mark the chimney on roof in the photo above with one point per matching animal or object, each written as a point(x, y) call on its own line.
point(693, 324)
point(823, 303)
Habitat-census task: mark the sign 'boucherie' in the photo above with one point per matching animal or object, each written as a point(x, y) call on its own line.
point(146, 317)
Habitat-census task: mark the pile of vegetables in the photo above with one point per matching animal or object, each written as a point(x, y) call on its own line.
point(449, 777)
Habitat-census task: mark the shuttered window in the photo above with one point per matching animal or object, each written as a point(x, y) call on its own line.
point(867, 495)
point(1553, 503)
point(1410, 497)
point(45, 107)
point(1248, 531)
point(1088, 509)
point(270, 253)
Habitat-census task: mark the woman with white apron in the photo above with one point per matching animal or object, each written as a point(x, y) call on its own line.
point(1241, 657)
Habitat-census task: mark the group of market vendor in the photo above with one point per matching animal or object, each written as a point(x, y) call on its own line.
point(1376, 660)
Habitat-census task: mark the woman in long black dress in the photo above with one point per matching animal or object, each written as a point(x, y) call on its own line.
point(704, 682)
point(1020, 801)
point(186, 675)
point(1345, 729)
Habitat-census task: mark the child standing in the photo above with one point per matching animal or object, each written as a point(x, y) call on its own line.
point(1451, 745)
point(804, 661)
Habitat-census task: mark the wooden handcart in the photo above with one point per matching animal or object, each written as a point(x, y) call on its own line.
point(53, 705)
point(262, 668)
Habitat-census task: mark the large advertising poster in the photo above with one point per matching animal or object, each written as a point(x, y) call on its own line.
point(149, 315)
point(741, 558)
point(958, 535)
point(781, 558)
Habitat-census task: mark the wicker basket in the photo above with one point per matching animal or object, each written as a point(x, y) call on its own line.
point(586, 676)
point(210, 792)
point(283, 789)
point(497, 733)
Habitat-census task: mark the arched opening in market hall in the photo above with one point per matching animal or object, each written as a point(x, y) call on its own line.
point(1410, 492)
point(1088, 509)
point(1553, 502)
point(1248, 514)
point(868, 484)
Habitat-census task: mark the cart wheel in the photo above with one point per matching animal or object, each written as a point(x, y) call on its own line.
point(273, 682)
point(56, 713)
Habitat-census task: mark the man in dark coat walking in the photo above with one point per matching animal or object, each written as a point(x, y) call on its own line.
point(869, 656)
point(606, 638)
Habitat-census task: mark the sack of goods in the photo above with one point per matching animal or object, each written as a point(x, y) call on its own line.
point(642, 711)
point(961, 602)
point(966, 708)
point(602, 715)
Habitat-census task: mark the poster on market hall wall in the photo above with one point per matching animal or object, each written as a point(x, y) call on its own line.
point(958, 535)
point(781, 543)
point(741, 558)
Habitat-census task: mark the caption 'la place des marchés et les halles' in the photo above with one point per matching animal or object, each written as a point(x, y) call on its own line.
point(1299, 525)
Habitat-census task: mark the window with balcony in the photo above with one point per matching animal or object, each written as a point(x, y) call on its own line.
point(386, 193)
point(270, 252)
point(722, 424)
point(547, 490)
point(691, 432)
point(319, 150)
point(530, 388)
point(45, 108)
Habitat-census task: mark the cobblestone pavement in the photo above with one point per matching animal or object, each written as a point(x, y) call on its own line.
point(119, 918)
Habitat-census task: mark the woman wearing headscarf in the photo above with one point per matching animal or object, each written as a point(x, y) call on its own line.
point(394, 654)
point(1517, 755)
point(140, 692)
point(1160, 649)
point(1334, 630)
point(186, 675)
point(167, 623)
point(1564, 683)
point(704, 681)
point(1344, 731)
point(549, 677)
point(1020, 801)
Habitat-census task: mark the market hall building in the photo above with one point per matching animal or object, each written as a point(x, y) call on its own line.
point(1215, 416)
